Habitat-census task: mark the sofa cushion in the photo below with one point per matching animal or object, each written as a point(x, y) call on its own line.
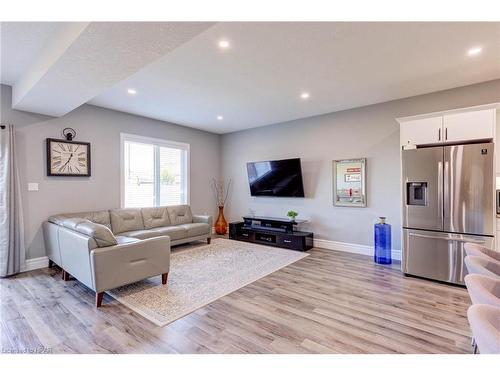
point(180, 214)
point(141, 234)
point(196, 229)
point(99, 217)
point(174, 232)
point(126, 220)
point(123, 240)
point(154, 217)
point(100, 233)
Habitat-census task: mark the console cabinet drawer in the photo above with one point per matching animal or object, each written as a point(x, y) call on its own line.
point(244, 235)
point(265, 237)
point(289, 242)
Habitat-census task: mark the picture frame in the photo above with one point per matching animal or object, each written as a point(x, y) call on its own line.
point(349, 182)
point(68, 158)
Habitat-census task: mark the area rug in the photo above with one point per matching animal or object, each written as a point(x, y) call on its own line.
point(200, 275)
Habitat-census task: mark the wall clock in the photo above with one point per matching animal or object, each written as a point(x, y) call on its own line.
point(68, 158)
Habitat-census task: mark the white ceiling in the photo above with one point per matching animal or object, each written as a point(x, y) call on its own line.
point(258, 80)
point(80, 60)
point(20, 43)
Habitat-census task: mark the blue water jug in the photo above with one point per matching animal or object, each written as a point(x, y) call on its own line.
point(382, 242)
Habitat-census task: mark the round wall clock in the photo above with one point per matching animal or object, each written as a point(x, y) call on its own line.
point(65, 158)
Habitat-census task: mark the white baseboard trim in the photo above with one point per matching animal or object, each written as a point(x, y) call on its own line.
point(43, 262)
point(35, 263)
point(351, 248)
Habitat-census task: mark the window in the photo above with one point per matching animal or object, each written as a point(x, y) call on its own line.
point(154, 172)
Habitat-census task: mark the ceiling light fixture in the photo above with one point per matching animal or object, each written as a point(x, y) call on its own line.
point(474, 51)
point(224, 44)
point(305, 95)
point(132, 91)
point(220, 117)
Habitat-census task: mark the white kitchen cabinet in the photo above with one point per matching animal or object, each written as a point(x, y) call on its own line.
point(459, 125)
point(422, 131)
point(469, 126)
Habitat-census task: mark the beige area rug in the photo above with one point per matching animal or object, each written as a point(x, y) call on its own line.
point(200, 275)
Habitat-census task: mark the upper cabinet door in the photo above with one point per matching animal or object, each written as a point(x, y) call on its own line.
point(422, 131)
point(469, 126)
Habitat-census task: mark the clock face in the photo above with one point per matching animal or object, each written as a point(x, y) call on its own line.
point(68, 158)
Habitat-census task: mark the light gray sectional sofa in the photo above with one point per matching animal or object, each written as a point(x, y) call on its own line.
point(111, 248)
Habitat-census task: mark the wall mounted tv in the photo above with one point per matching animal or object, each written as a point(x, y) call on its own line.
point(275, 178)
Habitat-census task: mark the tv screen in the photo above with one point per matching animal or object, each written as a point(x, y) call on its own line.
point(275, 178)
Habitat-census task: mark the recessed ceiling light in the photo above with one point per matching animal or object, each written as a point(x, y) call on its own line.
point(220, 117)
point(474, 51)
point(305, 95)
point(224, 44)
point(132, 91)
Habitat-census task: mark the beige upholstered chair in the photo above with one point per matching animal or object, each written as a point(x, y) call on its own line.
point(479, 250)
point(483, 289)
point(484, 321)
point(483, 266)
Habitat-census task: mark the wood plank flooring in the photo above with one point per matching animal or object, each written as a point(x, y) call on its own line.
point(328, 302)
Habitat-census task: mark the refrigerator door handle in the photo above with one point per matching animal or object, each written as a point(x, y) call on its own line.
point(479, 242)
point(446, 193)
point(440, 190)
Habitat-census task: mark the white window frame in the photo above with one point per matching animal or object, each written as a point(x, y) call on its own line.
point(126, 137)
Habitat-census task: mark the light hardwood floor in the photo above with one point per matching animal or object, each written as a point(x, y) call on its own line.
point(328, 302)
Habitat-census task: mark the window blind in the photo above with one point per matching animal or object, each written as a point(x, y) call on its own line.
point(153, 174)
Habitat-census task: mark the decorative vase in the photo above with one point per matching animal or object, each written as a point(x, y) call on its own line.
point(221, 223)
point(382, 242)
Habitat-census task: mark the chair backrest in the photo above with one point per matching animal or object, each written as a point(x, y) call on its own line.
point(126, 220)
point(99, 217)
point(482, 266)
point(155, 217)
point(480, 250)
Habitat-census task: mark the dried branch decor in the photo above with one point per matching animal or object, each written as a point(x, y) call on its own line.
point(221, 191)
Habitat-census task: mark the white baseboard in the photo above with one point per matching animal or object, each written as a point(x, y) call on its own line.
point(351, 248)
point(43, 262)
point(35, 263)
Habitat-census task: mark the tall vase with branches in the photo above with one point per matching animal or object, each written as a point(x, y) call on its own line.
point(221, 192)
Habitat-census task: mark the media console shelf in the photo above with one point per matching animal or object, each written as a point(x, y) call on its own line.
point(271, 231)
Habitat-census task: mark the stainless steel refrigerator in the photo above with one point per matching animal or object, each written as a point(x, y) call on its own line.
point(448, 199)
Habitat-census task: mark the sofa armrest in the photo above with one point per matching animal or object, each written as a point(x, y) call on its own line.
point(51, 242)
point(204, 219)
point(75, 251)
point(119, 265)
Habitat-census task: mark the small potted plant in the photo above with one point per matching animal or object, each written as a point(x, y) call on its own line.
point(292, 214)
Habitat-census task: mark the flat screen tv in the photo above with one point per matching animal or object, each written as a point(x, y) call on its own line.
point(275, 178)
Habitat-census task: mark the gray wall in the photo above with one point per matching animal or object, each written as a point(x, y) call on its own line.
point(102, 128)
point(370, 132)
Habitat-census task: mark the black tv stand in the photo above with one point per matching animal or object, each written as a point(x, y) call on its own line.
point(271, 231)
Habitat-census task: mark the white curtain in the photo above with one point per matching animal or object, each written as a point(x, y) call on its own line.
point(12, 250)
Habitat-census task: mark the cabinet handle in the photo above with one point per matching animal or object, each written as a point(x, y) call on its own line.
point(439, 134)
point(445, 134)
point(287, 241)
